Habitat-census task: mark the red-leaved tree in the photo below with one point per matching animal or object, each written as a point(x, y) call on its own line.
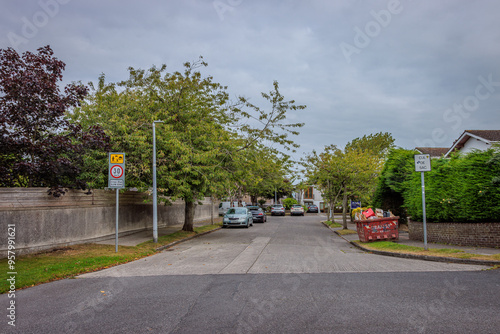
point(39, 146)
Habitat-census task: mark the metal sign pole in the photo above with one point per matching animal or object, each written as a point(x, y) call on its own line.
point(423, 211)
point(116, 180)
point(116, 228)
point(423, 164)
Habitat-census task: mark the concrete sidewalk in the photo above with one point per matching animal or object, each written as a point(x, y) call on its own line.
point(405, 240)
point(139, 237)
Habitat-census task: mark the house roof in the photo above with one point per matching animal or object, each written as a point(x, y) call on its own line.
point(433, 151)
point(487, 136)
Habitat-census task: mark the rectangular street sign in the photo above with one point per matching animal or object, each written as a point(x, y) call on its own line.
point(116, 174)
point(116, 158)
point(422, 163)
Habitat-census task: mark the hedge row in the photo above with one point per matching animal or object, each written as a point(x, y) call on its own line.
point(464, 188)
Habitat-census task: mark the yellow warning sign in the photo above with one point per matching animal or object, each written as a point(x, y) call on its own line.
point(116, 158)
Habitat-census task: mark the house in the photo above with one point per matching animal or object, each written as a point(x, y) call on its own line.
point(474, 140)
point(312, 195)
point(468, 141)
point(434, 152)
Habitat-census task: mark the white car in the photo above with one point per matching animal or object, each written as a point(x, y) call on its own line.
point(297, 209)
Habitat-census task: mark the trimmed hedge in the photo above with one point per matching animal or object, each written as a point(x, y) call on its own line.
point(464, 188)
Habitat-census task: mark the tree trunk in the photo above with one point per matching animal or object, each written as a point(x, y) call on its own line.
point(344, 208)
point(212, 210)
point(253, 198)
point(189, 216)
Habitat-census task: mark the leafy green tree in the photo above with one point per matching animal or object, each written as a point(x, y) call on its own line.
point(351, 172)
point(288, 202)
point(39, 146)
point(393, 181)
point(201, 142)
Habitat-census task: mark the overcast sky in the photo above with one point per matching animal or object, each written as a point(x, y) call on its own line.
point(423, 71)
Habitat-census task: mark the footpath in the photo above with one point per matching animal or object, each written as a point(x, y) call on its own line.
point(405, 240)
point(139, 237)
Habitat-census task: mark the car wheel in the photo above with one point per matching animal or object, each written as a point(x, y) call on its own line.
point(247, 225)
point(252, 223)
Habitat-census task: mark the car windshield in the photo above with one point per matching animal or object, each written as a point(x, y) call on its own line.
point(277, 206)
point(237, 211)
point(253, 208)
point(296, 206)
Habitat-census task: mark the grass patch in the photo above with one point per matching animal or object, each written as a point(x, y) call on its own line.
point(70, 261)
point(333, 224)
point(346, 232)
point(389, 246)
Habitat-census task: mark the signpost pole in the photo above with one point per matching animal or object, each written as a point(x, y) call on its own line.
point(116, 228)
point(116, 180)
point(423, 211)
point(423, 164)
point(155, 209)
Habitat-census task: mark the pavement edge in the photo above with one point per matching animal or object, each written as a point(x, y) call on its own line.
point(418, 257)
point(186, 239)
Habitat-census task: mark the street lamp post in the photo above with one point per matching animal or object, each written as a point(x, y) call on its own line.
point(155, 212)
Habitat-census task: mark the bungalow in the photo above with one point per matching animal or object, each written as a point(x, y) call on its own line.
point(468, 141)
point(474, 140)
point(434, 152)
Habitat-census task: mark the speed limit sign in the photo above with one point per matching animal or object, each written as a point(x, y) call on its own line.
point(116, 171)
point(116, 176)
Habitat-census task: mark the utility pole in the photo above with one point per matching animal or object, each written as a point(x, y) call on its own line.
point(155, 209)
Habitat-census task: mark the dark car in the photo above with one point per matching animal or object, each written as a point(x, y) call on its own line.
point(312, 208)
point(259, 216)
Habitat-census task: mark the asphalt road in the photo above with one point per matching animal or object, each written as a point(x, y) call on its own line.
point(289, 275)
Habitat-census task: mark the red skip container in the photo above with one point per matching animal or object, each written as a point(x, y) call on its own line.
point(378, 229)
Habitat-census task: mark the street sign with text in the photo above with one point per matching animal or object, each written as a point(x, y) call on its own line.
point(422, 163)
point(116, 176)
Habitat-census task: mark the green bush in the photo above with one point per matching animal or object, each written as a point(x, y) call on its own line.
point(288, 202)
point(461, 189)
point(393, 182)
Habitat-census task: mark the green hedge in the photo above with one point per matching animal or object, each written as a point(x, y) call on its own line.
point(464, 188)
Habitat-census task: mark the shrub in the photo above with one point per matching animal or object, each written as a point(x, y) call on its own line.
point(463, 188)
point(288, 202)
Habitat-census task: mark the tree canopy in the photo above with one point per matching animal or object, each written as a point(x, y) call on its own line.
point(351, 172)
point(203, 141)
point(39, 147)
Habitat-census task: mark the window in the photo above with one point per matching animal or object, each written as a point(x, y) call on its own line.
point(308, 193)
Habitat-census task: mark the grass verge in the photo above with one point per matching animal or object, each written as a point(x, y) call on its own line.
point(331, 224)
point(70, 261)
point(389, 246)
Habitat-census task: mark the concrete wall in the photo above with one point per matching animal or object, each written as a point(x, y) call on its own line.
point(462, 234)
point(44, 222)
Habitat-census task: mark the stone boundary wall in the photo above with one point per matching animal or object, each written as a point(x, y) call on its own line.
point(44, 222)
point(460, 234)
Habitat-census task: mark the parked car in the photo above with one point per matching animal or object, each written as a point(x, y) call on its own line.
point(224, 206)
point(277, 210)
point(238, 217)
point(297, 209)
point(312, 208)
point(258, 214)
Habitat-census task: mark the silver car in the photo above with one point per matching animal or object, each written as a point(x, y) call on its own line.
point(238, 217)
point(277, 209)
